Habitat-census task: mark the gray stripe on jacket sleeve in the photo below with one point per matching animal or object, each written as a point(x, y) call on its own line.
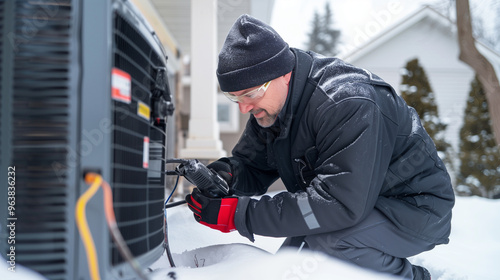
point(240, 218)
point(307, 213)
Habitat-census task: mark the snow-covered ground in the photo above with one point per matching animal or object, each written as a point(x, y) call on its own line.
point(202, 253)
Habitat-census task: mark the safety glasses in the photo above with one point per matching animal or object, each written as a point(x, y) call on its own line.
point(249, 96)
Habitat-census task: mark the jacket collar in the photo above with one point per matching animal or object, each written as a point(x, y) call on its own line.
point(297, 95)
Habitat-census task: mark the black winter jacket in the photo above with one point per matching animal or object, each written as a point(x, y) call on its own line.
point(344, 144)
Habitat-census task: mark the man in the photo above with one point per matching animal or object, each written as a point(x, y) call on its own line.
point(364, 181)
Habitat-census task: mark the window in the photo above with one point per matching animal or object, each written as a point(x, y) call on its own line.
point(227, 114)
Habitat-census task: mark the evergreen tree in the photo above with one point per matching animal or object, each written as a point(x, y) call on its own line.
point(323, 38)
point(479, 155)
point(417, 92)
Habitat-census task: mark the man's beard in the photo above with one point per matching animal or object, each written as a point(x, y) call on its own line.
point(267, 120)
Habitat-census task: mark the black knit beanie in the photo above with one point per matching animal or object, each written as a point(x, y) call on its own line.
point(253, 54)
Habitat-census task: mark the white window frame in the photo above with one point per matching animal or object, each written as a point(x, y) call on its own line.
point(233, 123)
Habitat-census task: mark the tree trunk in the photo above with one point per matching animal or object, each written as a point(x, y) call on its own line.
point(484, 70)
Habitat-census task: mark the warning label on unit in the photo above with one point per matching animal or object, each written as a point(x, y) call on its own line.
point(143, 110)
point(145, 153)
point(121, 84)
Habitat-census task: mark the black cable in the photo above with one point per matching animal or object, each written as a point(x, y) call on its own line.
point(174, 204)
point(177, 160)
point(166, 244)
point(170, 205)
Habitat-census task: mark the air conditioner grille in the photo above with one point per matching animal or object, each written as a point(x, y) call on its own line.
point(138, 187)
point(40, 124)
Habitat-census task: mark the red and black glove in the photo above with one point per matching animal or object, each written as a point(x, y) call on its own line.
point(216, 213)
point(224, 168)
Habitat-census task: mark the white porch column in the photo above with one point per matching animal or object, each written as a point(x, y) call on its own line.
point(203, 141)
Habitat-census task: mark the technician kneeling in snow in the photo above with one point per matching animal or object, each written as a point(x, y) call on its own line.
point(364, 181)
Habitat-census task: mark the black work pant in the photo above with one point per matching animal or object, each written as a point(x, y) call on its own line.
point(375, 243)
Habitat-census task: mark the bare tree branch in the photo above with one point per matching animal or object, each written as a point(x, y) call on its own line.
point(485, 71)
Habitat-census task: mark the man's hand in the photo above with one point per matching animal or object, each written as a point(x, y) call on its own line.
point(216, 213)
point(223, 167)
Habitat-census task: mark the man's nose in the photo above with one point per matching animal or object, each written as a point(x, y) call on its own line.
point(244, 107)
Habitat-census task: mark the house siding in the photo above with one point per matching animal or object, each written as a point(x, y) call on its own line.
point(435, 45)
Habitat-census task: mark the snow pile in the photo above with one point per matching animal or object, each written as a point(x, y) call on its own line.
point(473, 251)
point(203, 253)
point(241, 261)
point(474, 248)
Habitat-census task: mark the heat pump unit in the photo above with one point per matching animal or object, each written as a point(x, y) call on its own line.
point(84, 87)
